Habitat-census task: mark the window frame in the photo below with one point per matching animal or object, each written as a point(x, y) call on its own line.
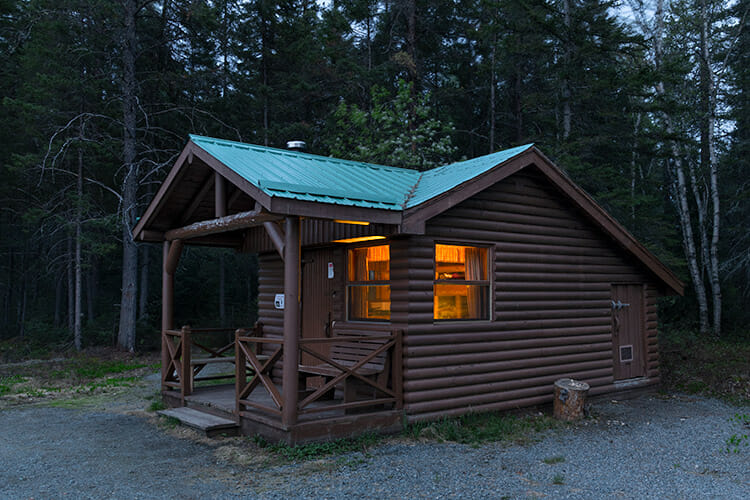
point(350, 283)
point(489, 282)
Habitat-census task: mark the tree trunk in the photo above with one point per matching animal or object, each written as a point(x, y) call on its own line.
point(634, 166)
point(411, 49)
point(688, 240)
point(91, 290)
point(58, 301)
point(264, 71)
point(71, 286)
point(566, 94)
point(369, 41)
point(518, 105)
point(23, 304)
point(492, 95)
point(683, 208)
point(143, 290)
point(222, 294)
point(126, 333)
point(79, 219)
point(708, 87)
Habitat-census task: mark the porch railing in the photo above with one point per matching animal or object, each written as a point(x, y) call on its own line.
point(184, 357)
point(336, 373)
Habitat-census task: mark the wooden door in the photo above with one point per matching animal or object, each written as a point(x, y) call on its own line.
point(628, 331)
point(318, 298)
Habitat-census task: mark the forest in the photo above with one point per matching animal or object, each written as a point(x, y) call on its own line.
point(643, 103)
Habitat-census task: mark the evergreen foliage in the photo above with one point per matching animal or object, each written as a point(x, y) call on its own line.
point(407, 83)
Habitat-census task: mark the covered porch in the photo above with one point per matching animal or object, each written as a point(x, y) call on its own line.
point(293, 381)
point(333, 396)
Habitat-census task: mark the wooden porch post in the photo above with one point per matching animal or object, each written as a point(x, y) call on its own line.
point(220, 197)
point(171, 252)
point(167, 306)
point(167, 291)
point(290, 382)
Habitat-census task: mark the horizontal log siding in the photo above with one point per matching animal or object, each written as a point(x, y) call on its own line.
point(271, 282)
point(553, 270)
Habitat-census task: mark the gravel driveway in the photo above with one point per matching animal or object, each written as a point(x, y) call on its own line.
point(650, 447)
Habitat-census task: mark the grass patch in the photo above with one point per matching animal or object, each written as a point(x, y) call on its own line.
point(706, 366)
point(739, 440)
point(558, 479)
point(558, 459)
point(169, 422)
point(7, 383)
point(478, 428)
point(88, 367)
point(156, 406)
point(93, 372)
point(314, 451)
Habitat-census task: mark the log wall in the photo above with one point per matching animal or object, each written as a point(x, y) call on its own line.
point(553, 270)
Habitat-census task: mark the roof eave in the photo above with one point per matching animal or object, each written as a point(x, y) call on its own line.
point(290, 206)
point(415, 218)
point(608, 224)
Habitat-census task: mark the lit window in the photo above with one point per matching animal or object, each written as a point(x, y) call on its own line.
point(369, 289)
point(461, 286)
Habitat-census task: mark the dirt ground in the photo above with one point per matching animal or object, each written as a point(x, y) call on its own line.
point(96, 437)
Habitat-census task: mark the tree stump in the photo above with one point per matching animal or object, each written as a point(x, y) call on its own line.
point(570, 397)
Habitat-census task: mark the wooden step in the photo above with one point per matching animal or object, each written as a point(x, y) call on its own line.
point(205, 422)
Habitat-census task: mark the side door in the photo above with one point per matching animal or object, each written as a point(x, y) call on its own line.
point(628, 331)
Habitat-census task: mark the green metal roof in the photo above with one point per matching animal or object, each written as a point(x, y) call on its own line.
point(441, 179)
point(303, 176)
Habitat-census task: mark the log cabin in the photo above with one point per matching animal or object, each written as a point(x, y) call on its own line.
point(389, 295)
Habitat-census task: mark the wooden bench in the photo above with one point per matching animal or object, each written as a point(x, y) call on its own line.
point(347, 354)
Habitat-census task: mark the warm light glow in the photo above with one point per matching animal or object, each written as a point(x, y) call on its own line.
point(355, 222)
point(379, 253)
point(461, 287)
point(450, 253)
point(369, 292)
point(360, 238)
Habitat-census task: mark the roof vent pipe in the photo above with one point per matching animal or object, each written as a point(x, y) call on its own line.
point(296, 146)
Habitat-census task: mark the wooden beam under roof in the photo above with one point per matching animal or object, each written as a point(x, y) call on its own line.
point(225, 224)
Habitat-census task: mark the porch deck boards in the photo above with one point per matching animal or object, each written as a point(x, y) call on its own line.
point(222, 398)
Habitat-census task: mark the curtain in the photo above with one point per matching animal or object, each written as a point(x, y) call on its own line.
point(358, 300)
point(475, 270)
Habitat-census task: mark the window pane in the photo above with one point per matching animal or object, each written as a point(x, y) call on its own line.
point(462, 302)
point(370, 302)
point(455, 262)
point(369, 263)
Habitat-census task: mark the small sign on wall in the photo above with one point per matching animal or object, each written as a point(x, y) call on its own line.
point(330, 270)
point(278, 301)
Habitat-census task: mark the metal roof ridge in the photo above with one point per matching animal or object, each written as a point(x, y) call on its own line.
point(411, 192)
point(520, 149)
point(297, 154)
